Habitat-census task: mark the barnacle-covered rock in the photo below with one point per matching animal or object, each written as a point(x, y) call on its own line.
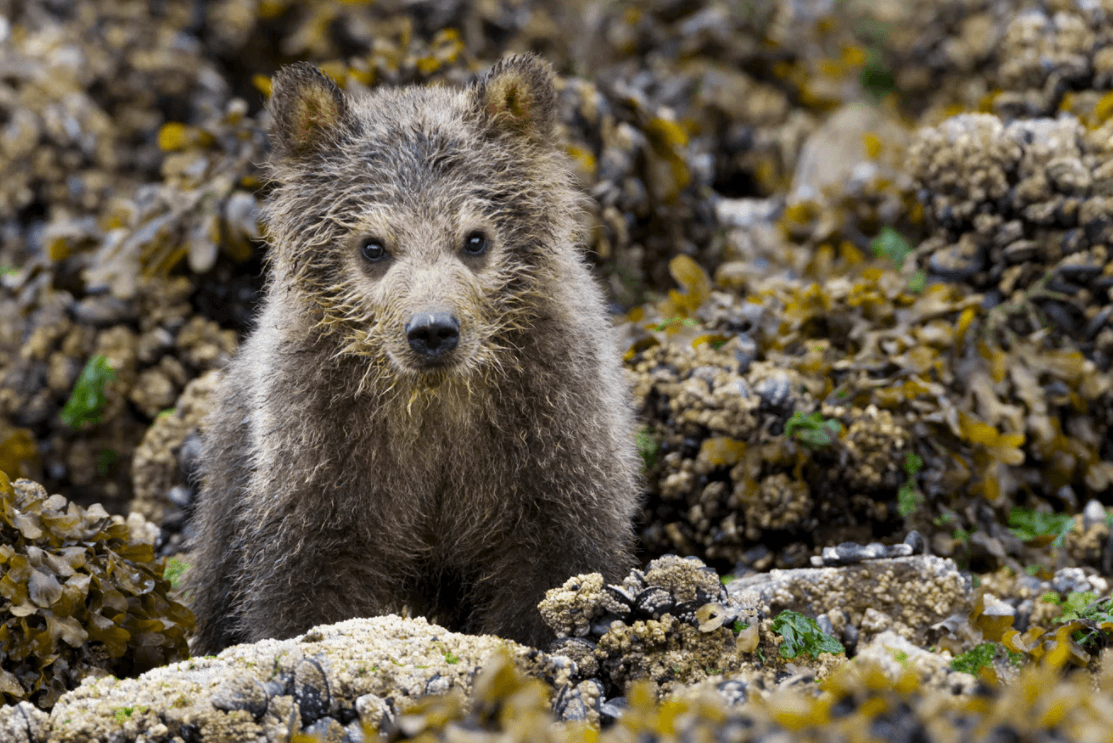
point(684, 579)
point(875, 442)
point(682, 625)
point(896, 690)
point(568, 610)
point(83, 596)
point(906, 595)
point(798, 413)
point(67, 142)
point(667, 652)
point(157, 467)
point(801, 401)
point(1022, 208)
point(1044, 53)
point(896, 657)
point(373, 671)
point(153, 345)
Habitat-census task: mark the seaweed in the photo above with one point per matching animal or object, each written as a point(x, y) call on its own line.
point(974, 660)
point(648, 446)
point(1040, 528)
point(812, 431)
point(87, 400)
point(79, 596)
point(909, 499)
point(891, 244)
point(803, 636)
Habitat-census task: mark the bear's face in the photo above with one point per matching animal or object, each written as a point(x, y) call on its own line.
point(415, 223)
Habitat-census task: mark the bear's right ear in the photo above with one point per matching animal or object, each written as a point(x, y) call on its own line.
point(309, 111)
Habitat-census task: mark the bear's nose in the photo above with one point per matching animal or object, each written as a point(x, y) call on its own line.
point(433, 334)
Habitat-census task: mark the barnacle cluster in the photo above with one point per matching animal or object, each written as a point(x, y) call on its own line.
point(672, 624)
point(334, 683)
point(163, 460)
point(1022, 210)
point(82, 594)
point(863, 701)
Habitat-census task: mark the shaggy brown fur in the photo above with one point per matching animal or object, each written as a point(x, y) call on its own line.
point(351, 471)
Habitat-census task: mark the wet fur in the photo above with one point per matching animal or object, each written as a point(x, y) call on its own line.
point(344, 478)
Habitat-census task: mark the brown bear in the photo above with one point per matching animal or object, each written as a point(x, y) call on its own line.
point(430, 413)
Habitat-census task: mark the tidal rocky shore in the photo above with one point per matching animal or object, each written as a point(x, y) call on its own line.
point(860, 257)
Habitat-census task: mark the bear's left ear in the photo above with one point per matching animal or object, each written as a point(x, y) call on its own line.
point(517, 96)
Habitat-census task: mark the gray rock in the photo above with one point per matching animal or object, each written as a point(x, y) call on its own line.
point(438, 684)
point(242, 692)
point(1094, 512)
point(612, 709)
point(849, 553)
point(1071, 580)
point(899, 550)
point(104, 310)
point(775, 391)
point(735, 692)
point(874, 551)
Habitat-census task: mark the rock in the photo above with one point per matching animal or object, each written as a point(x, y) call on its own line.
point(899, 550)
point(611, 710)
point(775, 392)
point(23, 723)
point(835, 155)
point(270, 689)
point(916, 541)
point(242, 692)
point(895, 656)
point(1071, 580)
point(905, 594)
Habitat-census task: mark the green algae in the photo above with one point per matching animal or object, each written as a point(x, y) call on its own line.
point(88, 398)
point(802, 636)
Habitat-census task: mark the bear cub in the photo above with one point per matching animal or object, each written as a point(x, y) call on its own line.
point(430, 414)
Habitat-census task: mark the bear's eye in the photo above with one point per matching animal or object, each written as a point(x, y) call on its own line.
point(371, 248)
point(475, 243)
